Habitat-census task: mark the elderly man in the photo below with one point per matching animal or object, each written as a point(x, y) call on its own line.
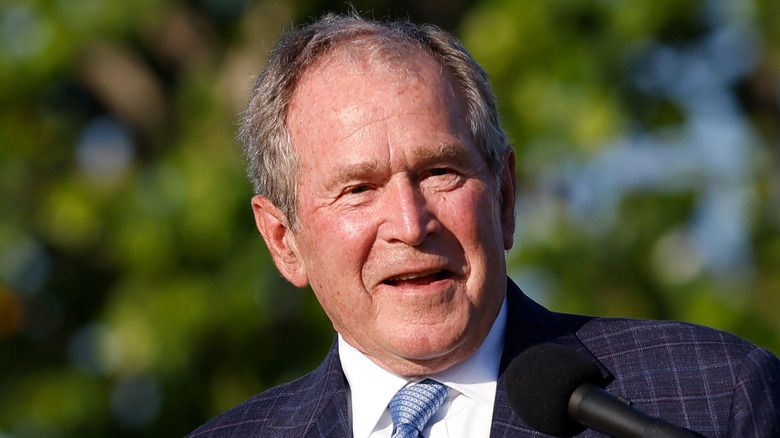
point(385, 182)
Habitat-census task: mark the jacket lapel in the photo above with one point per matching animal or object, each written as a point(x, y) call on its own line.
point(328, 416)
point(529, 324)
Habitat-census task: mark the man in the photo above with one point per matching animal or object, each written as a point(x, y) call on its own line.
point(385, 182)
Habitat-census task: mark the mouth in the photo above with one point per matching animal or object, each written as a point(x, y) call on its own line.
point(418, 278)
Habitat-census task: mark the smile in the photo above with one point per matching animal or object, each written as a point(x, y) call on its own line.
point(417, 278)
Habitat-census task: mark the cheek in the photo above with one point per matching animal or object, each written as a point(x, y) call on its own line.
point(335, 259)
point(336, 249)
point(473, 217)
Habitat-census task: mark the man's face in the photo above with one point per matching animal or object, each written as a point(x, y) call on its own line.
point(401, 229)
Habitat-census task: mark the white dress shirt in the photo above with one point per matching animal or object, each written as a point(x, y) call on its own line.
point(467, 411)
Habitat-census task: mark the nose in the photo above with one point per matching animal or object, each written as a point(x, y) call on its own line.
point(407, 214)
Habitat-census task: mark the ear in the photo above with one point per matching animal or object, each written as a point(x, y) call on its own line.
point(508, 194)
point(279, 238)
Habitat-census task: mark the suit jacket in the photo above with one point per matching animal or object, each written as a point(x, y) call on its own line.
point(702, 379)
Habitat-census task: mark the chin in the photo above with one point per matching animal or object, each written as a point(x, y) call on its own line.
point(423, 347)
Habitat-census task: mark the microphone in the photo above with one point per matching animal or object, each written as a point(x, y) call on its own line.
point(559, 392)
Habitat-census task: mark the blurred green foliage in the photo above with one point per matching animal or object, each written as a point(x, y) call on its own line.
point(136, 298)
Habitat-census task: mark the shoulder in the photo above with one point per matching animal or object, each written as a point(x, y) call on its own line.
point(666, 345)
point(290, 409)
point(262, 411)
point(620, 339)
point(670, 367)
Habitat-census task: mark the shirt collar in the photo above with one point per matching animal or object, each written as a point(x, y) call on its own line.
point(476, 376)
point(371, 387)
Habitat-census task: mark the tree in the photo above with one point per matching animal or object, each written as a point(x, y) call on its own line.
point(136, 299)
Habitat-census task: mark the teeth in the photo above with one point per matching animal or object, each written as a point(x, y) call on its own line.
point(406, 277)
point(403, 277)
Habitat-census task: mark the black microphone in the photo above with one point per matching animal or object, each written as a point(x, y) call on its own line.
point(558, 391)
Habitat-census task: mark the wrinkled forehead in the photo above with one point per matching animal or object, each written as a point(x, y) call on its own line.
point(355, 81)
point(349, 97)
point(362, 79)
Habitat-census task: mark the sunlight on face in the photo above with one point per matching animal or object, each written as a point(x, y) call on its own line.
point(400, 231)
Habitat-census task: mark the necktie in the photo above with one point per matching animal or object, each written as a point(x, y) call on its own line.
point(413, 406)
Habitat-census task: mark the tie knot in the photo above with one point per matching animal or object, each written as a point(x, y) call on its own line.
point(413, 406)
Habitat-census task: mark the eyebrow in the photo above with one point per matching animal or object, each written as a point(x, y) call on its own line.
point(445, 152)
point(454, 152)
point(351, 172)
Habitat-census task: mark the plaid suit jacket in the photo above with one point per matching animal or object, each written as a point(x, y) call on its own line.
point(705, 380)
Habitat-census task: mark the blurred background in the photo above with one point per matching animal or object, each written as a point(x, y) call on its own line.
point(137, 299)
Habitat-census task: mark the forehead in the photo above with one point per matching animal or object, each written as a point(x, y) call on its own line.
point(353, 85)
point(402, 63)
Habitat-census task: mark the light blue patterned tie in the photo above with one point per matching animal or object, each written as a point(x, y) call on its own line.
point(413, 406)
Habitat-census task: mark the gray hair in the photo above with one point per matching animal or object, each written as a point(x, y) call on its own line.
point(272, 161)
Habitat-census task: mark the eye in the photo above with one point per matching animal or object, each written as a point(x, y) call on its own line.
point(442, 178)
point(439, 171)
point(356, 190)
